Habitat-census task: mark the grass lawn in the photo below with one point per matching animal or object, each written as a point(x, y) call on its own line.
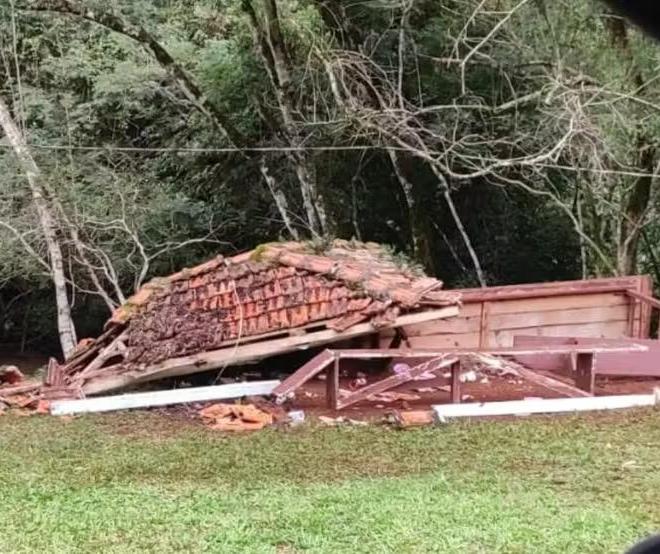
point(143, 483)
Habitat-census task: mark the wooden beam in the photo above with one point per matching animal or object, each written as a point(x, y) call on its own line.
point(624, 364)
point(654, 302)
point(366, 353)
point(90, 350)
point(552, 384)
point(332, 384)
point(5, 392)
point(113, 349)
point(646, 288)
point(234, 355)
point(161, 398)
point(557, 288)
point(394, 381)
point(306, 372)
point(545, 406)
point(54, 373)
point(631, 308)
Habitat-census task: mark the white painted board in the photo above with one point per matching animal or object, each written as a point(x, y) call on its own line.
point(161, 398)
point(544, 406)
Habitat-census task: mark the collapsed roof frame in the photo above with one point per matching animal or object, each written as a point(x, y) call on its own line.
point(329, 361)
point(279, 298)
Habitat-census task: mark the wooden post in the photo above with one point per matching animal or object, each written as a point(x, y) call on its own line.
point(332, 385)
point(456, 382)
point(585, 375)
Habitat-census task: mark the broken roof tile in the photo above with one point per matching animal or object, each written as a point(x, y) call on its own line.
point(275, 287)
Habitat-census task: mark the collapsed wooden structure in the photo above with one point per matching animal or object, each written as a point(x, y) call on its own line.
point(611, 308)
point(278, 298)
point(364, 304)
point(609, 319)
point(329, 361)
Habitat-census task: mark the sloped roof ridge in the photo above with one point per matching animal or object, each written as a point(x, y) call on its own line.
point(365, 264)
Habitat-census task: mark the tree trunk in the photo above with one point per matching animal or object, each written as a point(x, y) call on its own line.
point(634, 213)
point(271, 47)
point(48, 225)
point(280, 199)
point(446, 194)
point(637, 203)
point(419, 241)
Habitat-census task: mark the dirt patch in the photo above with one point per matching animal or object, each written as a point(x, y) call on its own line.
point(311, 396)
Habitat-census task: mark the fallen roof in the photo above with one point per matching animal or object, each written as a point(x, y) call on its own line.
point(269, 294)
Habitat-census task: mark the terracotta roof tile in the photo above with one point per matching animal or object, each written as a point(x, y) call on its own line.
point(275, 287)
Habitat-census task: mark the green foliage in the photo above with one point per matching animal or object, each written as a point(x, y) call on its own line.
point(145, 483)
point(72, 83)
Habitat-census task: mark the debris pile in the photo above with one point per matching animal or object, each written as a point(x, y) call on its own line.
point(16, 391)
point(278, 291)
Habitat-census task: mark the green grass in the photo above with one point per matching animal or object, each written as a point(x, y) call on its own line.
point(142, 483)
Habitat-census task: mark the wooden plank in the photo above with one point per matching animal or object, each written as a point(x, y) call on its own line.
point(557, 288)
point(504, 337)
point(19, 389)
point(632, 305)
point(106, 354)
point(552, 384)
point(545, 406)
point(570, 302)
point(490, 296)
point(545, 362)
point(395, 380)
point(520, 320)
point(205, 361)
point(161, 398)
point(54, 373)
point(456, 382)
point(646, 288)
point(456, 325)
point(597, 331)
point(569, 316)
point(631, 364)
point(595, 346)
point(654, 302)
point(89, 351)
point(306, 372)
point(467, 340)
